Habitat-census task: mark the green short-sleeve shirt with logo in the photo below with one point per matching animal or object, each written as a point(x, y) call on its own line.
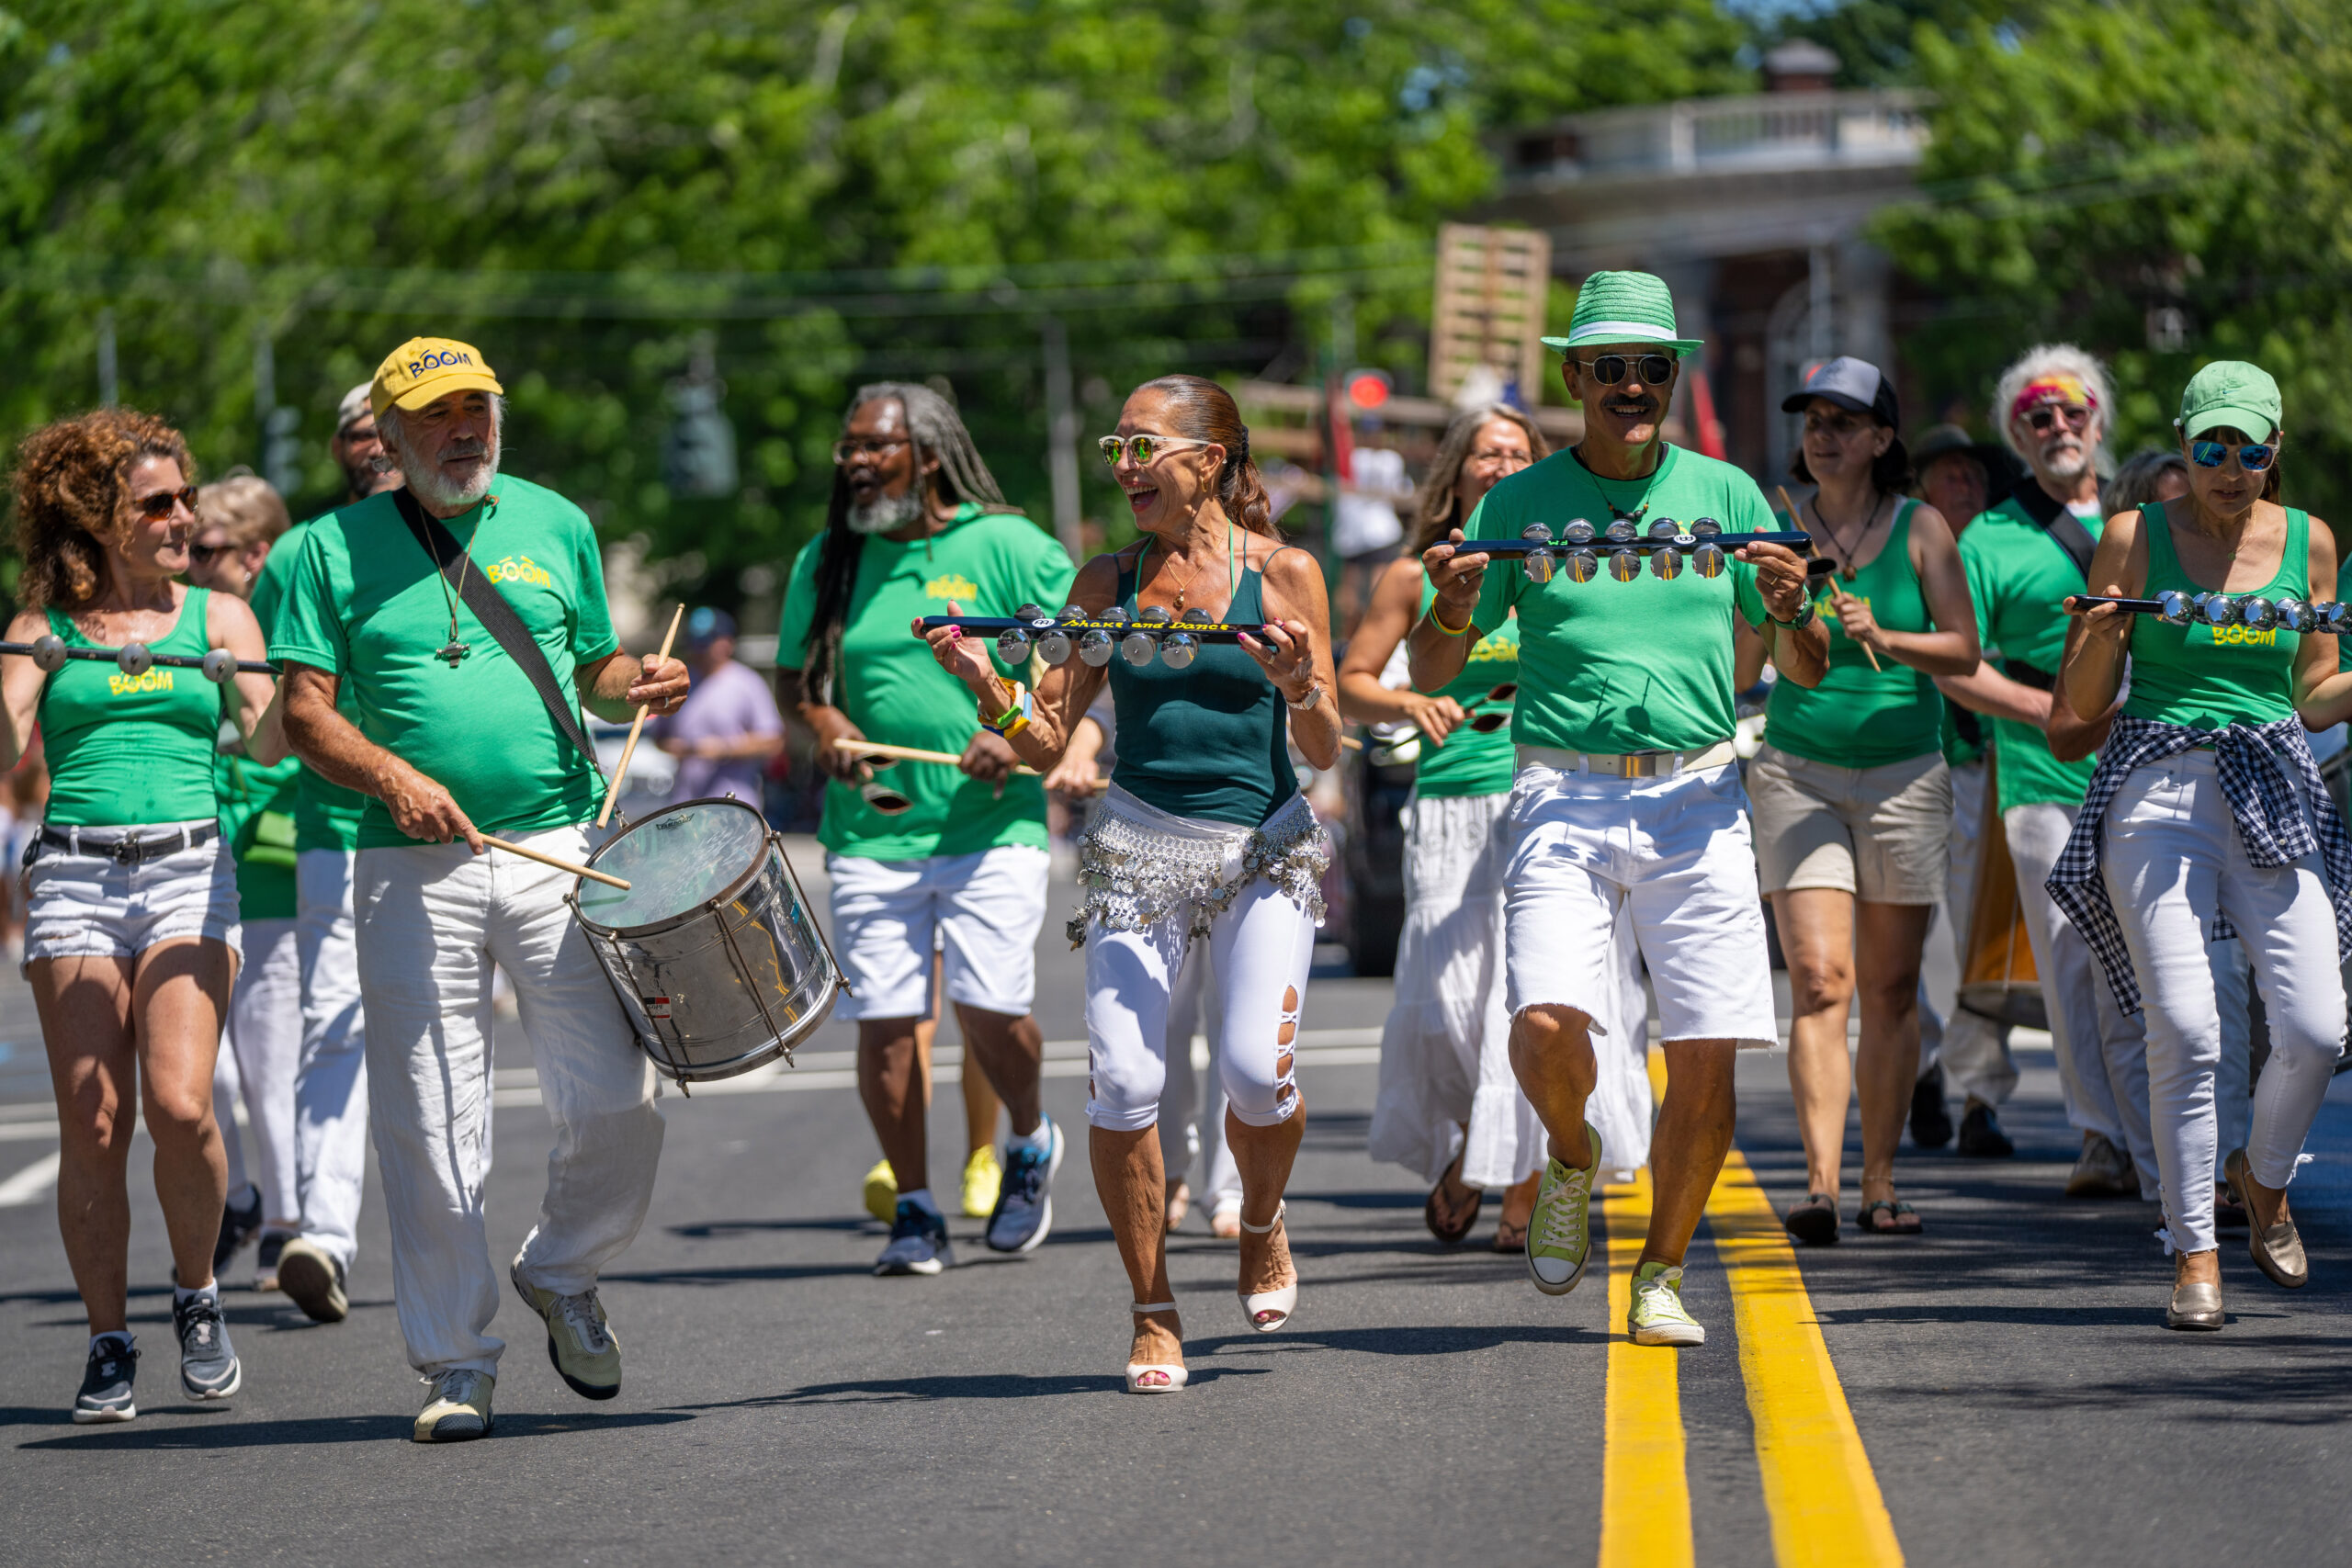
point(988, 564)
point(1471, 763)
point(1611, 667)
point(2020, 579)
point(326, 816)
point(364, 604)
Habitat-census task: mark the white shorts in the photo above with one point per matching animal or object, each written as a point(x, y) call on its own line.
point(93, 905)
point(984, 909)
point(1676, 852)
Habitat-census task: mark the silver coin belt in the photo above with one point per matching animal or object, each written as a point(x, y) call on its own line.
point(1135, 876)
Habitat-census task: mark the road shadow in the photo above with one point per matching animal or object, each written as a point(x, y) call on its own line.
point(719, 1230)
point(987, 1385)
point(1421, 1339)
point(771, 1274)
point(147, 1432)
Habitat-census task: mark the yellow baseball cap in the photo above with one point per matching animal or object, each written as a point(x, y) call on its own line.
point(425, 368)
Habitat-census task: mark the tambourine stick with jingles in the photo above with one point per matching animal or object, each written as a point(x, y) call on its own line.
point(636, 727)
point(51, 651)
point(1669, 547)
point(1830, 573)
point(2251, 611)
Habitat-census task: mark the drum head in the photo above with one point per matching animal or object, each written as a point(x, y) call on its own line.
point(674, 860)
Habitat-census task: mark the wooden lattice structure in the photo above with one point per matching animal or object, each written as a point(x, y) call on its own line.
point(1491, 284)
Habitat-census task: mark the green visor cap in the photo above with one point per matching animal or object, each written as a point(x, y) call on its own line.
point(2231, 394)
point(1623, 307)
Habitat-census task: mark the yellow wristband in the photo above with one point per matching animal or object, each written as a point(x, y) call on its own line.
point(1439, 621)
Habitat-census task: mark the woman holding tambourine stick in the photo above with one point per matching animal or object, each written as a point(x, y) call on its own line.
point(2207, 812)
point(1203, 830)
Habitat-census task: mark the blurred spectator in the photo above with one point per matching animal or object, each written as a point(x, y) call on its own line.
point(367, 468)
point(730, 726)
point(1365, 530)
point(1955, 475)
point(2148, 475)
point(238, 518)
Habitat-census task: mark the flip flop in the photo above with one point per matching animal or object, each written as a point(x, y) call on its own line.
point(1902, 1219)
point(1433, 1214)
point(1815, 1221)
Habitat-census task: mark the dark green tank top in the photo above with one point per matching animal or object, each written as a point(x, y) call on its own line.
point(1210, 740)
point(129, 749)
point(1858, 717)
point(2207, 677)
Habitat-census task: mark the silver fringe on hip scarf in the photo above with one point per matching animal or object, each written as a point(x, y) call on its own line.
point(1138, 866)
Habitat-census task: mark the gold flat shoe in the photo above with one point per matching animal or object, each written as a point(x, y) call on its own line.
point(2194, 1306)
point(2278, 1249)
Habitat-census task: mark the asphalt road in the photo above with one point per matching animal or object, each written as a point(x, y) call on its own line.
point(2001, 1388)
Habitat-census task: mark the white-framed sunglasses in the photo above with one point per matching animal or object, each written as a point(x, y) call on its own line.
point(1147, 449)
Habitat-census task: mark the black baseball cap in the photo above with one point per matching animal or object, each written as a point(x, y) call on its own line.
point(1850, 383)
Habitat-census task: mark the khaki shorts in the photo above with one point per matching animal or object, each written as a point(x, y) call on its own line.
point(1879, 833)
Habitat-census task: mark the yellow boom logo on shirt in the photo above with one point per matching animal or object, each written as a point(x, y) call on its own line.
point(521, 568)
point(2244, 636)
point(136, 685)
point(962, 589)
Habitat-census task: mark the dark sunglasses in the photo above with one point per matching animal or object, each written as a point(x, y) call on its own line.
point(2043, 419)
point(2253, 456)
point(202, 554)
point(158, 506)
point(1653, 369)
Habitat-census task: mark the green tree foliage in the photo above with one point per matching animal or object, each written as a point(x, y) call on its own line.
point(815, 193)
point(2165, 182)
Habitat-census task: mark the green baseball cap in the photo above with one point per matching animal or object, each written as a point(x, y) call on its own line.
point(2232, 393)
point(1623, 307)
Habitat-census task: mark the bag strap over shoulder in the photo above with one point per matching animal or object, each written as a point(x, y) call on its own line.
point(2057, 520)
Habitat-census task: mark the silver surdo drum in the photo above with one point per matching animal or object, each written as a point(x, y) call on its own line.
point(717, 960)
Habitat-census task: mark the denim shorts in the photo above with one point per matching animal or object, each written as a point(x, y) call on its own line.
point(93, 905)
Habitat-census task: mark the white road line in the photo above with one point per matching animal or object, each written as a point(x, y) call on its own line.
point(29, 1185)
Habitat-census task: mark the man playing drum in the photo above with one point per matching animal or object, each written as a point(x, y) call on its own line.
point(916, 526)
point(454, 739)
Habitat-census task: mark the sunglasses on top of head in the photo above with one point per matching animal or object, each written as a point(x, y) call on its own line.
point(158, 505)
point(2253, 456)
point(1609, 369)
point(2043, 419)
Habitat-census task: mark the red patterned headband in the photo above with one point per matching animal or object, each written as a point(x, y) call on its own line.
point(2055, 387)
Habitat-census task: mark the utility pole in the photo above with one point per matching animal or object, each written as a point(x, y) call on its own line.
point(109, 387)
point(264, 395)
point(1061, 451)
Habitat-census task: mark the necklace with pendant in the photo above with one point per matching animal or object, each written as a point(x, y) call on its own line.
point(457, 648)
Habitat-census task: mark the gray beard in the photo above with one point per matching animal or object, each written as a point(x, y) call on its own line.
point(425, 479)
point(886, 515)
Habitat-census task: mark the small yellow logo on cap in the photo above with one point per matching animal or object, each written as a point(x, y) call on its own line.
point(425, 368)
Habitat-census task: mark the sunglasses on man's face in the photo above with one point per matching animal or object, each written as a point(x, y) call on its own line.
point(2253, 456)
point(158, 506)
point(203, 555)
point(2043, 419)
point(1651, 370)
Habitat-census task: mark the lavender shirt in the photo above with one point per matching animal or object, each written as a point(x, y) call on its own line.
point(727, 705)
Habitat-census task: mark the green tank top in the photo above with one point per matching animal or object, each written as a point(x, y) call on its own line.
point(1858, 717)
point(128, 750)
point(2209, 677)
point(1209, 740)
point(1469, 762)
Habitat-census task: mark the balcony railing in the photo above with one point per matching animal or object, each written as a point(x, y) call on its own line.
point(1755, 133)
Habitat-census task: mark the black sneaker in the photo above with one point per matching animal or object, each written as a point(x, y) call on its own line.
point(238, 1226)
point(918, 1243)
point(1024, 1202)
point(1981, 1136)
point(209, 1368)
point(1930, 1118)
point(105, 1382)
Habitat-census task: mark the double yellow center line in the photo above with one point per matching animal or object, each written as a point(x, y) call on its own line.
point(1819, 1490)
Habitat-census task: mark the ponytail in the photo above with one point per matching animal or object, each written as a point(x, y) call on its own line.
point(1202, 410)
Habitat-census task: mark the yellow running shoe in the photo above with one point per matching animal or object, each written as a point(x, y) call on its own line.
point(983, 1179)
point(882, 1193)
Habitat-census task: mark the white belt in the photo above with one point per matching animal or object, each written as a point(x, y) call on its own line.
point(1628, 764)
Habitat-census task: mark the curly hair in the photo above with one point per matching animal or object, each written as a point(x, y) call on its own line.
point(72, 491)
point(1435, 508)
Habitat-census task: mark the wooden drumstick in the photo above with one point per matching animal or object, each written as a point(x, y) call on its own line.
point(915, 754)
point(613, 796)
point(1836, 592)
point(575, 867)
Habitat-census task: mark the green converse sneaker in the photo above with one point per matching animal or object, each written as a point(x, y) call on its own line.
point(1656, 1316)
point(1559, 1234)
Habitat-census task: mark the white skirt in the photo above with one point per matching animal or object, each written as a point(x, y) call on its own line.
point(1445, 1054)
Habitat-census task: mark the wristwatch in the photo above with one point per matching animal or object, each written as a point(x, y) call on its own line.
point(1314, 695)
point(1805, 616)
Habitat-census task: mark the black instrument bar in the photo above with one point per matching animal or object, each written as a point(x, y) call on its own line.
point(114, 656)
point(1601, 543)
point(2129, 606)
point(992, 626)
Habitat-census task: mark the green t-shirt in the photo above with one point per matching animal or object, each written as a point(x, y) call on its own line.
point(1470, 762)
point(257, 819)
point(1858, 716)
point(364, 604)
point(895, 692)
point(2021, 579)
point(326, 816)
point(1607, 666)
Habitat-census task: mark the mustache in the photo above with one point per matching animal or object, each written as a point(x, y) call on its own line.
point(466, 446)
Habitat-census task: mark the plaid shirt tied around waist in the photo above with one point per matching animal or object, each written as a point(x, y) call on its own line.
point(2261, 766)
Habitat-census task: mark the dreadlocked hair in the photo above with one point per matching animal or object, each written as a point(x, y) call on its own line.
point(72, 491)
point(1202, 410)
point(937, 431)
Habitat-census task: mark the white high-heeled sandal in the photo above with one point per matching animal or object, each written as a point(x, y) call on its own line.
point(1282, 1302)
point(1137, 1371)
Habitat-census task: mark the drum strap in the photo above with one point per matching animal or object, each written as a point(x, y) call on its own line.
point(499, 619)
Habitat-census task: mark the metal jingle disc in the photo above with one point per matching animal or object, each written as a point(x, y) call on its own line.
point(1664, 528)
point(1579, 532)
point(1095, 647)
point(1072, 613)
point(1666, 564)
point(49, 653)
point(2331, 618)
point(1180, 649)
point(1540, 566)
point(1055, 647)
point(2296, 616)
point(1116, 613)
point(1620, 530)
point(1031, 612)
point(1137, 648)
point(2257, 613)
point(1582, 565)
point(1194, 618)
point(1624, 565)
point(2217, 610)
point(1156, 615)
point(1710, 561)
point(1706, 528)
point(1012, 645)
point(2173, 607)
point(135, 658)
point(1537, 532)
point(220, 665)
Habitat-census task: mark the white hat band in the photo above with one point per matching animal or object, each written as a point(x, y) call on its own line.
point(1621, 332)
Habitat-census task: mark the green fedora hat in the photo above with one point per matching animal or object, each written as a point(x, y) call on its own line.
point(1623, 307)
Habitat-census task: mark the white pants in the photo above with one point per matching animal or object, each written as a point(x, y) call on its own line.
point(433, 918)
point(2173, 859)
point(2102, 1052)
point(1192, 1124)
point(986, 909)
point(262, 1045)
point(331, 1090)
point(1259, 949)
